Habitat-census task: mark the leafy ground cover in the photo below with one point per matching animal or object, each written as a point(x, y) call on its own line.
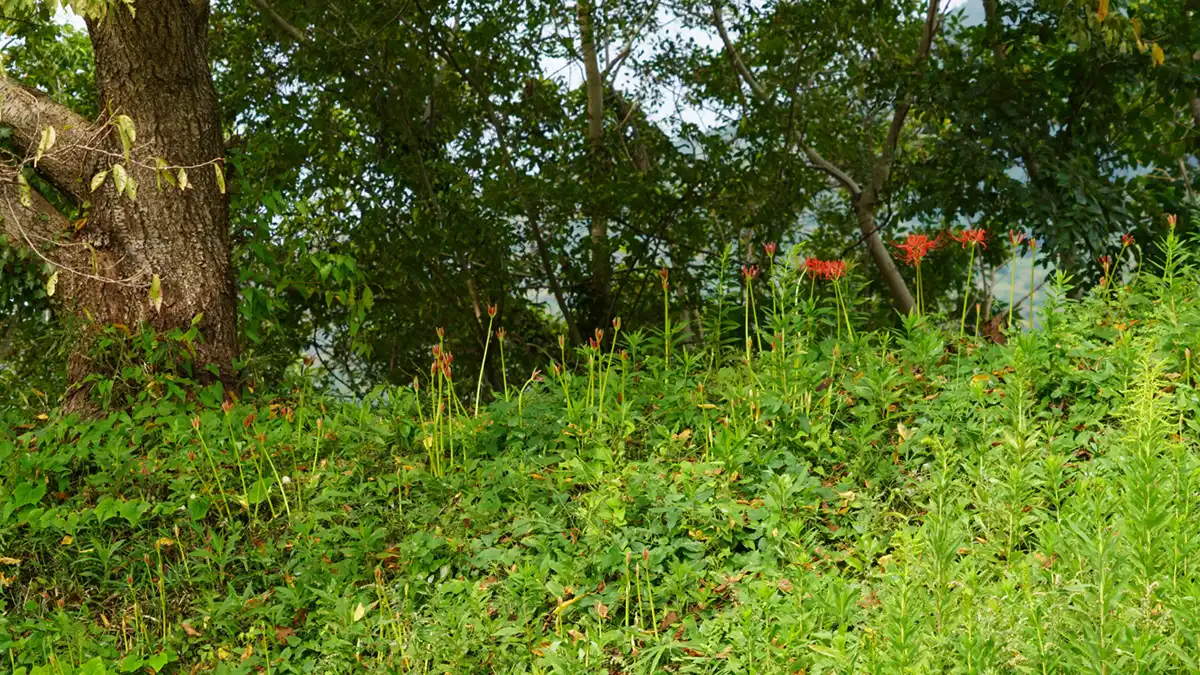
point(902, 501)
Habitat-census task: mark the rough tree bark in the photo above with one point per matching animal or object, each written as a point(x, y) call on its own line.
point(154, 69)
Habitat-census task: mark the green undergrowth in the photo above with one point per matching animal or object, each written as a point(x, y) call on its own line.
point(903, 501)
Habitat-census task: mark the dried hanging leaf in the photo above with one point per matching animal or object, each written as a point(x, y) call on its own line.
point(120, 178)
point(359, 612)
point(1102, 11)
point(26, 195)
point(126, 133)
point(98, 180)
point(183, 179)
point(51, 284)
point(47, 141)
point(1157, 53)
point(220, 177)
point(156, 293)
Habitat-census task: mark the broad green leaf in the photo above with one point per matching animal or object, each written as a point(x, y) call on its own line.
point(95, 666)
point(51, 284)
point(258, 492)
point(220, 177)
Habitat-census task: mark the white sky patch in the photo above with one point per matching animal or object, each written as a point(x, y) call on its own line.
point(64, 15)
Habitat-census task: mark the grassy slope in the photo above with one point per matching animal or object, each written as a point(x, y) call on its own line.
point(939, 506)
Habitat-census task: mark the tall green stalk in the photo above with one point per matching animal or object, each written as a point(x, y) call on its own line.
point(483, 364)
point(962, 324)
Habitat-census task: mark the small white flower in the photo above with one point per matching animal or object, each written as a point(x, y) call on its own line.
point(286, 480)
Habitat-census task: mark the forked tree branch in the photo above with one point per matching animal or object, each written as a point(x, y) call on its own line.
point(818, 161)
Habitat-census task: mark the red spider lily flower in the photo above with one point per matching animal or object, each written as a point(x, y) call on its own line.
point(750, 272)
point(562, 342)
point(1172, 220)
point(616, 323)
point(813, 266)
point(226, 406)
point(492, 309)
point(1017, 238)
point(555, 369)
point(1104, 261)
point(769, 248)
point(441, 333)
point(501, 334)
point(1127, 239)
point(834, 270)
point(662, 275)
point(593, 344)
point(195, 422)
point(971, 237)
point(916, 247)
point(537, 375)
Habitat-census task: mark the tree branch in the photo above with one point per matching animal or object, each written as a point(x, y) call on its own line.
point(614, 65)
point(738, 64)
point(818, 161)
point(884, 164)
point(26, 226)
point(830, 168)
point(282, 23)
point(68, 165)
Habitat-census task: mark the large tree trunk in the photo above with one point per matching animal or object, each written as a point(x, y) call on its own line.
point(154, 69)
point(864, 213)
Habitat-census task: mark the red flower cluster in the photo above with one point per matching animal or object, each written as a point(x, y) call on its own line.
point(750, 272)
point(1104, 261)
point(828, 270)
point(770, 249)
point(663, 275)
point(1127, 239)
point(971, 236)
point(1017, 238)
point(441, 361)
point(916, 247)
